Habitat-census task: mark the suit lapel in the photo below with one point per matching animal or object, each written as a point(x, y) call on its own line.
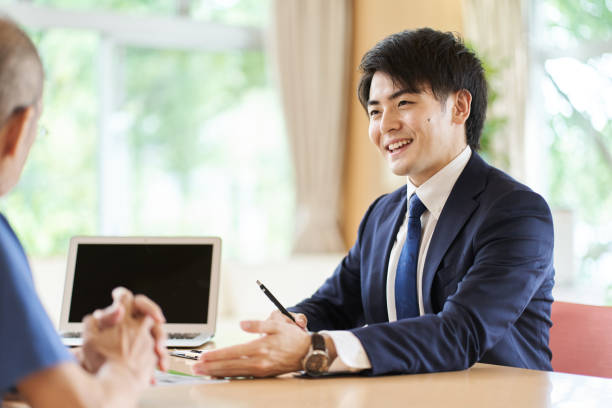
point(456, 212)
point(388, 231)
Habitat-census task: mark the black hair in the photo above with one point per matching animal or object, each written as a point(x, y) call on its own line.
point(416, 59)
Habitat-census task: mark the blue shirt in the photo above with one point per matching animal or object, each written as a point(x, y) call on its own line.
point(28, 341)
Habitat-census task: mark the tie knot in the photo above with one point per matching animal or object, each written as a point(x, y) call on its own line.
point(416, 208)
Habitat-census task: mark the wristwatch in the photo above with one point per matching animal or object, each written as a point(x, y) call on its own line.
point(317, 360)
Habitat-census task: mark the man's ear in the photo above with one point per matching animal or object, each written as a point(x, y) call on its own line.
point(462, 105)
point(14, 131)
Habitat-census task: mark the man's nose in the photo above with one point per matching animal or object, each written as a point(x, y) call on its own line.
point(389, 121)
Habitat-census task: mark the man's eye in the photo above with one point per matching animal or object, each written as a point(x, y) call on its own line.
point(373, 113)
point(402, 103)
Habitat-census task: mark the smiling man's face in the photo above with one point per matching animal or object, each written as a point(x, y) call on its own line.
point(416, 133)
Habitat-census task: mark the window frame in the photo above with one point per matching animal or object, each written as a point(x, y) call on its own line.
point(118, 31)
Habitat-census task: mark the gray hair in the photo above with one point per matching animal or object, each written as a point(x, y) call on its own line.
point(21, 71)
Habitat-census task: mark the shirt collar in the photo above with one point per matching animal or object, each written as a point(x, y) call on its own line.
point(435, 191)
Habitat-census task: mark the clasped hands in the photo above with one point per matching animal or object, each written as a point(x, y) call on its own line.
point(280, 349)
point(129, 332)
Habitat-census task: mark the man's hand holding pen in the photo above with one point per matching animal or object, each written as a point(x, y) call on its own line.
point(280, 350)
point(284, 343)
point(299, 318)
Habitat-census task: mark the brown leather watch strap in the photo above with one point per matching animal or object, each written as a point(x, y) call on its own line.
point(318, 341)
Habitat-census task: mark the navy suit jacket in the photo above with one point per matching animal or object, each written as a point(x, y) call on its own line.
point(487, 281)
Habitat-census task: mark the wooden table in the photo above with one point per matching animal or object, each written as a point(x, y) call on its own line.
point(483, 385)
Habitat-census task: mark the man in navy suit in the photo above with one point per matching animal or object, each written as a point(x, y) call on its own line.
point(452, 269)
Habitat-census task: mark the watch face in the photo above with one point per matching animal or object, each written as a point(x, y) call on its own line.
point(316, 363)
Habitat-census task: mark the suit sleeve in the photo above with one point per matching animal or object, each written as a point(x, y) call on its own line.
point(512, 258)
point(336, 305)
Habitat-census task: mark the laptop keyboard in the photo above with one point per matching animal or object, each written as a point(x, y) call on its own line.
point(71, 335)
point(187, 336)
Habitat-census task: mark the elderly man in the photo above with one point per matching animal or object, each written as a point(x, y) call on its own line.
point(123, 343)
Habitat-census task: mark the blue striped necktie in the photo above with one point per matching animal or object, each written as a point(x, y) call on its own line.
point(406, 299)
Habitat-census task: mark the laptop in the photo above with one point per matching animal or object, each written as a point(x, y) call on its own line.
point(180, 274)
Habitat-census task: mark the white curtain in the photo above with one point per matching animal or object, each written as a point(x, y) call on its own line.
point(498, 31)
point(310, 43)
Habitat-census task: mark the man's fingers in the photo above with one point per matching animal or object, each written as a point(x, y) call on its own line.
point(146, 306)
point(146, 324)
point(103, 319)
point(278, 316)
point(143, 339)
point(257, 346)
point(260, 326)
point(163, 361)
point(90, 324)
point(301, 319)
point(109, 316)
point(228, 368)
point(123, 296)
point(228, 353)
point(159, 335)
point(120, 293)
point(233, 368)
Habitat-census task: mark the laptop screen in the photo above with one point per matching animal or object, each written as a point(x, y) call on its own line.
point(176, 276)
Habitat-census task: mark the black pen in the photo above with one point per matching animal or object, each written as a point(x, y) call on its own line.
point(276, 302)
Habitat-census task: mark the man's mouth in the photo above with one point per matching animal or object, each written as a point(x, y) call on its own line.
point(393, 147)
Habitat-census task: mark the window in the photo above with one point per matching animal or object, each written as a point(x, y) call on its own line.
point(572, 92)
point(157, 126)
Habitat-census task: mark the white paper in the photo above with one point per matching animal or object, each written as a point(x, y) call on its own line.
point(165, 379)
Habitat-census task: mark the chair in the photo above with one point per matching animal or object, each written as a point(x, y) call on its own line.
point(581, 339)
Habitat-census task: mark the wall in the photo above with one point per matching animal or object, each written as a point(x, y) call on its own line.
point(365, 173)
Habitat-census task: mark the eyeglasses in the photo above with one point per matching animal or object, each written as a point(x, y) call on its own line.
point(42, 131)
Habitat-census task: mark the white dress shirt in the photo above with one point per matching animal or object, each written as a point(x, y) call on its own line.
point(433, 194)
